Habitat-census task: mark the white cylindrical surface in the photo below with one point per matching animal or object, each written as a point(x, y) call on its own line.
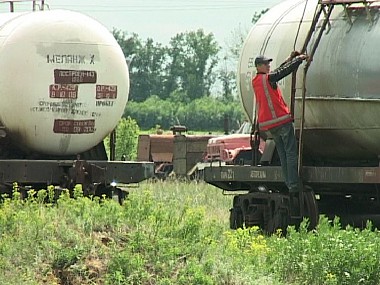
point(64, 81)
point(342, 116)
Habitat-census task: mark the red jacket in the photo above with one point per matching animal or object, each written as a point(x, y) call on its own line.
point(272, 109)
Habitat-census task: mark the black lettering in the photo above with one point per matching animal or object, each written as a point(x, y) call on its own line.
point(50, 59)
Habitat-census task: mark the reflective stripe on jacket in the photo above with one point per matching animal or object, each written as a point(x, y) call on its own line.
point(272, 109)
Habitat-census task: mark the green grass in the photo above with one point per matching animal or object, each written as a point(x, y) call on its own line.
point(171, 233)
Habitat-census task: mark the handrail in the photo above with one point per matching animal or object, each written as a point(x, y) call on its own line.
point(41, 5)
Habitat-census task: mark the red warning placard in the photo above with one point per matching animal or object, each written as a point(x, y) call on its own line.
point(65, 76)
point(74, 126)
point(106, 91)
point(63, 91)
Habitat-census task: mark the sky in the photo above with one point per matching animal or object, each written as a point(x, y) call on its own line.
point(163, 19)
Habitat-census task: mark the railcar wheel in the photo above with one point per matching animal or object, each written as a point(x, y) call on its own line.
point(103, 190)
point(310, 207)
point(236, 218)
point(280, 221)
point(121, 195)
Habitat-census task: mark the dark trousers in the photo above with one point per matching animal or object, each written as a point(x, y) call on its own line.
point(286, 146)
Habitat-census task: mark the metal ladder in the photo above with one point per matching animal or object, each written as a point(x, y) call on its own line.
point(326, 7)
point(37, 5)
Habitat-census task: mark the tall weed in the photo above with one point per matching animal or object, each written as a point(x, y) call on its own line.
point(171, 233)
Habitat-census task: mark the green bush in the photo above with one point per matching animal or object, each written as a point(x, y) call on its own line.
point(329, 255)
point(204, 114)
point(127, 132)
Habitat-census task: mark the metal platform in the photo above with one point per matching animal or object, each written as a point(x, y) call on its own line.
point(244, 177)
point(52, 172)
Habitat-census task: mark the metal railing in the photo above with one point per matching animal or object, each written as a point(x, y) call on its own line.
point(37, 5)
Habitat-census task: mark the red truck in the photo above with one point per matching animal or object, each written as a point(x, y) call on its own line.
point(234, 148)
point(229, 149)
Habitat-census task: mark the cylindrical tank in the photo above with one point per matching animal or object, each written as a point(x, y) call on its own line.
point(64, 81)
point(342, 115)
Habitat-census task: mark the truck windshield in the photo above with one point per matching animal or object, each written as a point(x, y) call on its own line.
point(245, 128)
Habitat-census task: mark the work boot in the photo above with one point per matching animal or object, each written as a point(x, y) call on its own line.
point(296, 188)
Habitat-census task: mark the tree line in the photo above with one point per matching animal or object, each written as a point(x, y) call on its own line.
point(187, 64)
point(203, 114)
point(184, 82)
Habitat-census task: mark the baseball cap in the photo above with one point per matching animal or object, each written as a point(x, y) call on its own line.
point(262, 59)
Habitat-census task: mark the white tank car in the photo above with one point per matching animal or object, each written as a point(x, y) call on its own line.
point(342, 116)
point(64, 81)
